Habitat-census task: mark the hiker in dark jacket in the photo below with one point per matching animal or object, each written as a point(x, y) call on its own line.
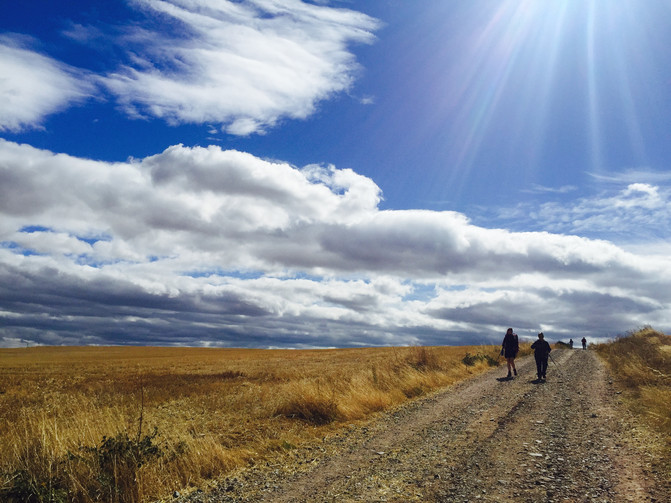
point(509, 349)
point(541, 352)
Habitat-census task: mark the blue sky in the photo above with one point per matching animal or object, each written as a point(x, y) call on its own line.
point(295, 174)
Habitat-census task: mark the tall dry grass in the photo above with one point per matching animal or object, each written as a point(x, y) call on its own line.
point(641, 363)
point(128, 424)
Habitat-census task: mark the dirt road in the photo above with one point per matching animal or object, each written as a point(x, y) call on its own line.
point(487, 439)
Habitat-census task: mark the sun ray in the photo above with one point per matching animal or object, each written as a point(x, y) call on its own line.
point(592, 90)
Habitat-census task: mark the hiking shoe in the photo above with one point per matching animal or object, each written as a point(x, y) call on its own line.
point(509, 375)
point(515, 370)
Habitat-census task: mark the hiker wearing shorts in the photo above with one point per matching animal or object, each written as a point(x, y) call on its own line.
point(509, 349)
point(541, 352)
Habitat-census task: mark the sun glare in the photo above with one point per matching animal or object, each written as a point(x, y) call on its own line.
point(534, 75)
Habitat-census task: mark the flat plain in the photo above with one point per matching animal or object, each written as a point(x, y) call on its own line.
point(138, 423)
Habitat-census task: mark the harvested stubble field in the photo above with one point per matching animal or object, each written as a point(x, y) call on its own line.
point(136, 423)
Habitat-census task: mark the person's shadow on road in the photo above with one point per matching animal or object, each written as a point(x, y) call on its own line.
point(504, 379)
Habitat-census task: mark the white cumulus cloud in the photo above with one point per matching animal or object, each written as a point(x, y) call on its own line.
point(211, 246)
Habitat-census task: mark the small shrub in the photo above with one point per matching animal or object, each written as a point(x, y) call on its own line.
point(117, 461)
point(22, 487)
point(40, 476)
point(491, 361)
point(470, 360)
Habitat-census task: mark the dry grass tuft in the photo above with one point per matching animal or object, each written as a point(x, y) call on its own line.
point(311, 401)
point(127, 424)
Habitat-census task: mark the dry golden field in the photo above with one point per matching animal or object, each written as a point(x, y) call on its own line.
point(136, 423)
point(641, 364)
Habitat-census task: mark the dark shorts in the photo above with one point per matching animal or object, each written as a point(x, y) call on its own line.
point(510, 353)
